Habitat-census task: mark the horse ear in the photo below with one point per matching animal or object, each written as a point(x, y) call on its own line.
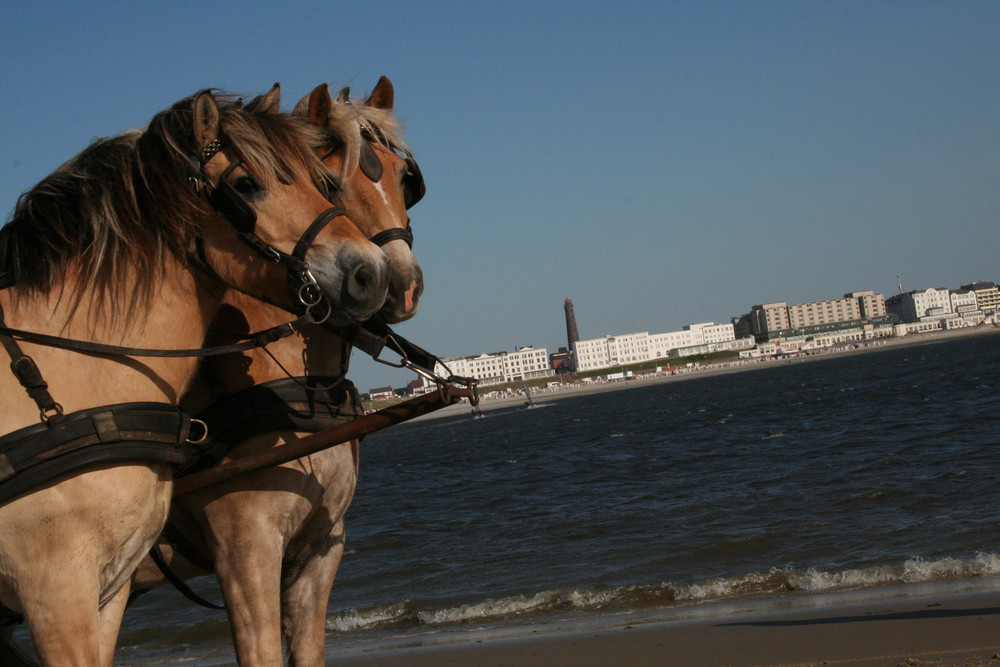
point(344, 95)
point(316, 106)
point(270, 102)
point(207, 124)
point(381, 97)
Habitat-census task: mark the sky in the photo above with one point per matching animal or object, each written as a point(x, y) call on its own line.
point(661, 163)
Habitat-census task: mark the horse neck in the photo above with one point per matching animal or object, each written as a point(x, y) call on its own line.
point(176, 318)
point(313, 351)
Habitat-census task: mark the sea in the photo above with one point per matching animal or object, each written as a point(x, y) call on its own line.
point(843, 473)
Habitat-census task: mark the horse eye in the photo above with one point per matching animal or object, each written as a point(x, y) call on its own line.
point(247, 186)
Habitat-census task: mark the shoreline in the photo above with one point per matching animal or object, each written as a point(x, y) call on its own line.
point(736, 366)
point(940, 623)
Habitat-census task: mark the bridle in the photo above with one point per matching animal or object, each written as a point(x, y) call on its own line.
point(302, 285)
point(414, 187)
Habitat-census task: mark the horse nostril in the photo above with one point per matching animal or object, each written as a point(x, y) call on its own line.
point(361, 279)
point(366, 283)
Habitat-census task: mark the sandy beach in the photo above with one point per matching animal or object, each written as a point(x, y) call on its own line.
point(941, 624)
point(928, 624)
point(579, 388)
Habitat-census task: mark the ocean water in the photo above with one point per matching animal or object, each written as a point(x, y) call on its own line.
point(842, 473)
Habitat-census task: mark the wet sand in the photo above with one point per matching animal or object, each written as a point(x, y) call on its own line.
point(927, 624)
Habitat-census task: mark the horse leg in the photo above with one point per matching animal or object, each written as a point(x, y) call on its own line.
point(304, 602)
point(109, 623)
point(248, 566)
point(63, 621)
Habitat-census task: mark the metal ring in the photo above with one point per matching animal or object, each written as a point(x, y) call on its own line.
point(204, 433)
point(56, 409)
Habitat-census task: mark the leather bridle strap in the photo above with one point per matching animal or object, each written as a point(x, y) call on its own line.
point(301, 283)
point(308, 236)
point(395, 234)
point(27, 373)
point(259, 339)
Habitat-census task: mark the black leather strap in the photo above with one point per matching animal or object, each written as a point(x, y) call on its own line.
point(27, 373)
point(124, 432)
point(388, 235)
point(259, 339)
point(179, 583)
point(306, 404)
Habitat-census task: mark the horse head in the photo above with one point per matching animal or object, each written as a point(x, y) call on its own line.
point(378, 181)
point(266, 228)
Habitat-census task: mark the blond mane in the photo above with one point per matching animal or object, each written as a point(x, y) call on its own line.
point(112, 215)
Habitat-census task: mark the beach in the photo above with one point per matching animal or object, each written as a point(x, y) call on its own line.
point(941, 624)
point(579, 388)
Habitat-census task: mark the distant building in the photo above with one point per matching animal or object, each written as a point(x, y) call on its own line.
point(921, 305)
point(626, 349)
point(779, 320)
point(987, 295)
point(964, 301)
point(381, 393)
point(524, 363)
point(561, 361)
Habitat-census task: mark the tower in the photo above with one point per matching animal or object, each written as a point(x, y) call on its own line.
point(572, 335)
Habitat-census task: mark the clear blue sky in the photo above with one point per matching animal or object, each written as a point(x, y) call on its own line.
point(661, 163)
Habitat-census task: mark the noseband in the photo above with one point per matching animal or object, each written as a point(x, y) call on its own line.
point(302, 285)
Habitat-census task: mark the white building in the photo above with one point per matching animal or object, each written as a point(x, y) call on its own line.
point(921, 305)
point(634, 348)
point(963, 301)
point(524, 363)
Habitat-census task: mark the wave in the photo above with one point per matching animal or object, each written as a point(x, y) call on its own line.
point(785, 580)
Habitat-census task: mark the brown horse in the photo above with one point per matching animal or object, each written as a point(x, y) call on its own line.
point(276, 536)
point(134, 242)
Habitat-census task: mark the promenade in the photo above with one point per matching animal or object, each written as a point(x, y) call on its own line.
point(517, 397)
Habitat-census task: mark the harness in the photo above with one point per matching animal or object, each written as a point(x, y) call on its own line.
point(307, 404)
point(145, 432)
point(303, 404)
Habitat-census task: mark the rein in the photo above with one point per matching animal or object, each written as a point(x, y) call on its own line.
point(255, 340)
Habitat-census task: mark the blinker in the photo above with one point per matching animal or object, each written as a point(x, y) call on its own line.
point(229, 203)
point(369, 163)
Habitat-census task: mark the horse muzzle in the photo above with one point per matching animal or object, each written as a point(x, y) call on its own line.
point(353, 278)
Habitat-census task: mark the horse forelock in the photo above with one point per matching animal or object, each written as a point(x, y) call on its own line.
point(274, 145)
point(349, 121)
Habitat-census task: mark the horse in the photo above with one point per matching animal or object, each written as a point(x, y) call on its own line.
point(133, 243)
point(275, 537)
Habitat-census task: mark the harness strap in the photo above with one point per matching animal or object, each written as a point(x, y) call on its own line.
point(259, 339)
point(306, 404)
point(314, 229)
point(27, 373)
point(179, 583)
point(121, 433)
